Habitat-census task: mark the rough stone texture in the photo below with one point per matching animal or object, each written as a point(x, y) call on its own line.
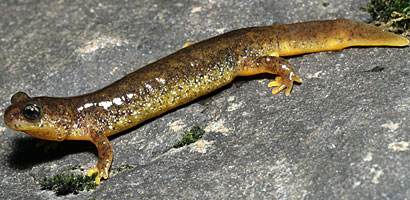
point(342, 134)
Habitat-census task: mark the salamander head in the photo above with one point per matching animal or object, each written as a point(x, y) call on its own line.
point(34, 116)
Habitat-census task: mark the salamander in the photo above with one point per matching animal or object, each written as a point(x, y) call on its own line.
point(183, 76)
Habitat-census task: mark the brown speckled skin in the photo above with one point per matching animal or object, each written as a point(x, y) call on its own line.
point(186, 75)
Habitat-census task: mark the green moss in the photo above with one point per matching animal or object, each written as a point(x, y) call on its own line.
point(393, 14)
point(63, 184)
point(382, 10)
point(190, 136)
point(74, 167)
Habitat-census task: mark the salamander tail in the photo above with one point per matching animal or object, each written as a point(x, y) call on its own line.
point(361, 34)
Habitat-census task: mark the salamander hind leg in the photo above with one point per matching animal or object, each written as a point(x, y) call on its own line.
point(105, 154)
point(272, 65)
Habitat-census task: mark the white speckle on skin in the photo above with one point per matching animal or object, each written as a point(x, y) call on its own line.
point(117, 101)
point(285, 67)
point(291, 75)
point(161, 80)
point(87, 105)
point(105, 104)
point(129, 96)
point(149, 87)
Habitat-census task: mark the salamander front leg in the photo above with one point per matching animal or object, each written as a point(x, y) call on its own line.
point(105, 154)
point(188, 44)
point(272, 65)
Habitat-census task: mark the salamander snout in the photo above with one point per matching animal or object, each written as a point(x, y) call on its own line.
point(12, 116)
point(22, 111)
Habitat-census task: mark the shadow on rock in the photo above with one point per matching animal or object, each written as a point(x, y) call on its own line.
point(28, 152)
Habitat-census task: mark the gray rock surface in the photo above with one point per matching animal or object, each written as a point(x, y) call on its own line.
point(342, 134)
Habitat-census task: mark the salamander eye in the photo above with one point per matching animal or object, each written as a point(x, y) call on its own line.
point(32, 111)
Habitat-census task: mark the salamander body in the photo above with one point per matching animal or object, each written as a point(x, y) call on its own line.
point(183, 76)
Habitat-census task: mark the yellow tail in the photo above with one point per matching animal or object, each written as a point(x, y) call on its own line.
point(315, 36)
